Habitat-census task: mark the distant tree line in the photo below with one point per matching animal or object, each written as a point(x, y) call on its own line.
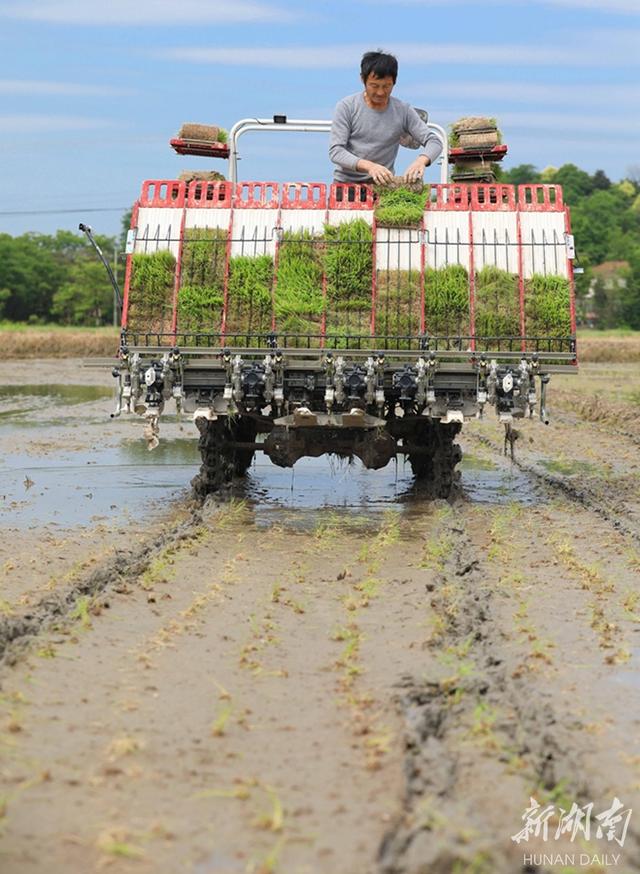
point(58, 278)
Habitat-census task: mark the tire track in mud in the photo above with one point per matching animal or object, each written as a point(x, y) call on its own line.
point(446, 805)
point(585, 497)
point(16, 631)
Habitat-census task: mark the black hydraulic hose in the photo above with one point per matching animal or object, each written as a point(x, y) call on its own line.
point(87, 230)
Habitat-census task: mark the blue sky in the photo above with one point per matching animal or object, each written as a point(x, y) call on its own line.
point(91, 92)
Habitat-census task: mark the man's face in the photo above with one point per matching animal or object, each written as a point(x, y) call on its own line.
point(378, 90)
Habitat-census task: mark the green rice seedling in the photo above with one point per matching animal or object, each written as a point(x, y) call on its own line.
point(348, 265)
point(299, 300)
point(497, 303)
point(389, 531)
point(481, 863)
point(273, 820)
point(400, 207)
point(329, 526)
point(369, 589)
point(398, 298)
point(202, 279)
point(157, 571)
point(81, 611)
point(46, 652)
point(630, 605)
point(270, 862)
point(204, 257)
point(447, 301)
point(234, 513)
point(114, 842)
point(541, 649)
point(151, 291)
point(250, 284)
point(219, 725)
point(484, 718)
point(436, 551)
point(559, 795)
point(462, 666)
point(199, 308)
point(547, 310)
point(299, 287)
point(123, 746)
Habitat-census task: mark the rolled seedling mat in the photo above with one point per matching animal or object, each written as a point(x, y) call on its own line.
point(201, 176)
point(199, 133)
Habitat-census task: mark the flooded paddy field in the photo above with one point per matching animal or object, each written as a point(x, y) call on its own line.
point(324, 671)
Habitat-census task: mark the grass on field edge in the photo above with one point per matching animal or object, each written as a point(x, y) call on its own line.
point(56, 341)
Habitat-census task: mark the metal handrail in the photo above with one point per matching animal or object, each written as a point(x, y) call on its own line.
point(309, 125)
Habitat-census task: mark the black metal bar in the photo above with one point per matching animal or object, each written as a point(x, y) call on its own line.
point(87, 232)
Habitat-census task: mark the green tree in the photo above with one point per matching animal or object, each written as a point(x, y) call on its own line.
point(575, 183)
point(601, 180)
point(523, 174)
point(86, 297)
point(31, 274)
point(630, 297)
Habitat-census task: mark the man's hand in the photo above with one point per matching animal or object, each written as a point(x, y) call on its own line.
point(378, 172)
point(415, 171)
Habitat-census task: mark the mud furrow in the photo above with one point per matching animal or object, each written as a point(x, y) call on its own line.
point(17, 630)
point(581, 495)
point(445, 814)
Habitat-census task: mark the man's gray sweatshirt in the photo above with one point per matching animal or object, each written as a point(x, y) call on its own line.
point(361, 133)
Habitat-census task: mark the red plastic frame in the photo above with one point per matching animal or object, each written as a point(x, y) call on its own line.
point(203, 194)
point(163, 192)
point(301, 195)
point(259, 195)
point(341, 190)
point(540, 198)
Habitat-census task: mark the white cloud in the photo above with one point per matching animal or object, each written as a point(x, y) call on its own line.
point(62, 89)
point(490, 93)
point(145, 12)
point(348, 56)
point(631, 7)
point(14, 125)
point(299, 58)
point(550, 124)
point(625, 6)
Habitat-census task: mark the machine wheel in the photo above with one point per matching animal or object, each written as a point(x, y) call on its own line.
point(221, 460)
point(435, 469)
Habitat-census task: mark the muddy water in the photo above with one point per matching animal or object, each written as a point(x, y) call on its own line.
point(118, 476)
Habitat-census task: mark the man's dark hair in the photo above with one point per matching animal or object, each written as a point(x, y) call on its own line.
point(380, 64)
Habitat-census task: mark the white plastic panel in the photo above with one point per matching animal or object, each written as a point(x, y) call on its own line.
point(311, 220)
point(340, 216)
point(495, 240)
point(447, 238)
point(158, 229)
point(207, 218)
point(543, 245)
point(254, 232)
point(398, 249)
